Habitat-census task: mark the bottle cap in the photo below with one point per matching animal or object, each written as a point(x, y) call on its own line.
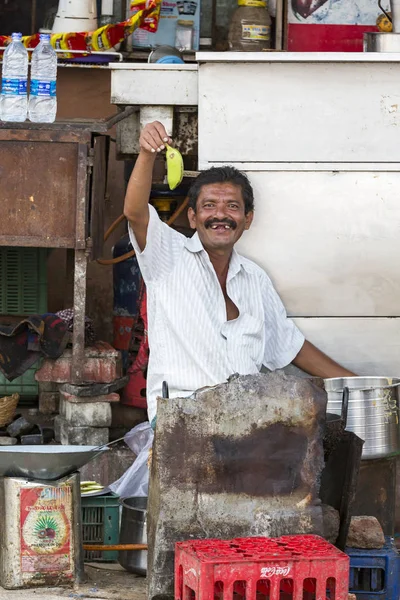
point(16, 36)
point(44, 37)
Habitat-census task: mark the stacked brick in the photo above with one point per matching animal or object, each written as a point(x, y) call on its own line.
point(84, 410)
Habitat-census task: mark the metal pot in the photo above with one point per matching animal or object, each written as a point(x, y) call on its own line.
point(373, 412)
point(133, 531)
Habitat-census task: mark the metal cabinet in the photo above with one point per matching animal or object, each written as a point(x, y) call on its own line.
point(318, 136)
point(53, 182)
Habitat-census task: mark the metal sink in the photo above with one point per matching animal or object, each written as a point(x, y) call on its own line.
point(154, 84)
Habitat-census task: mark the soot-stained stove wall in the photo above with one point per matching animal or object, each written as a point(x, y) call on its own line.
point(240, 459)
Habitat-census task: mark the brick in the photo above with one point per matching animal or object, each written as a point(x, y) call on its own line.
point(49, 403)
point(88, 399)
point(103, 364)
point(94, 389)
point(47, 386)
point(86, 414)
point(82, 436)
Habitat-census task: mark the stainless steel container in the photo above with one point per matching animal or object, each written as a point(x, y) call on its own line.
point(381, 42)
point(133, 531)
point(373, 412)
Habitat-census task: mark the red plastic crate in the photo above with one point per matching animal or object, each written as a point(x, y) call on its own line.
point(298, 567)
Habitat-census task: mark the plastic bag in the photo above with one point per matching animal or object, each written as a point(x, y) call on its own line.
point(135, 481)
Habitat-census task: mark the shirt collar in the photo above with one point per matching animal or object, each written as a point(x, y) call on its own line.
point(194, 244)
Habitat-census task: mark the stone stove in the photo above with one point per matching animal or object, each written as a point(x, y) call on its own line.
point(244, 458)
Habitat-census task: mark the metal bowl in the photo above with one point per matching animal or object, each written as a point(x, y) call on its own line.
point(47, 462)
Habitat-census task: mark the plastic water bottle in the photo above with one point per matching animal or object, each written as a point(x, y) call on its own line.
point(14, 81)
point(42, 98)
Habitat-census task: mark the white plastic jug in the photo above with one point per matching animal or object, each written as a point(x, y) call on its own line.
point(75, 15)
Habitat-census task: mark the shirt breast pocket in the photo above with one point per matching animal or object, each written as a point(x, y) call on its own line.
point(251, 339)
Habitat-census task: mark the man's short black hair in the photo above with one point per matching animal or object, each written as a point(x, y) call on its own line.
point(223, 175)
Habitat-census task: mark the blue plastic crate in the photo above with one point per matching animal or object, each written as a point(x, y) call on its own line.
point(375, 574)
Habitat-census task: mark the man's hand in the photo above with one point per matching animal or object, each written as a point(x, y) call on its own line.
point(153, 138)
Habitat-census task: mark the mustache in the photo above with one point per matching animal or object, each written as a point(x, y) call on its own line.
point(226, 221)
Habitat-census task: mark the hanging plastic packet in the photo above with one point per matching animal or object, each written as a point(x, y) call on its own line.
point(4, 41)
point(107, 37)
point(30, 41)
point(69, 41)
point(150, 11)
point(146, 16)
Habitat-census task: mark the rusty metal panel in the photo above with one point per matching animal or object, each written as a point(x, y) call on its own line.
point(27, 134)
point(98, 192)
point(38, 192)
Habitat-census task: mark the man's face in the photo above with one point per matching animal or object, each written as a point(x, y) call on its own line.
point(219, 218)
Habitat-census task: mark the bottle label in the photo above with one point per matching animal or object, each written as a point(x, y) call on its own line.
point(43, 88)
point(256, 3)
point(13, 87)
point(255, 32)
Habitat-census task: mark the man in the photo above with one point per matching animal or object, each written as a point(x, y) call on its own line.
point(211, 312)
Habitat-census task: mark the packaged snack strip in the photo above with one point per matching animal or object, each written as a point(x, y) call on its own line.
point(149, 13)
point(30, 41)
point(69, 41)
point(144, 5)
point(4, 41)
point(107, 37)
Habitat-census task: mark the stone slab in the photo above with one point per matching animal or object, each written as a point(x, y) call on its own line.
point(86, 414)
point(89, 399)
point(81, 436)
point(240, 459)
point(94, 389)
point(366, 533)
point(7, 441)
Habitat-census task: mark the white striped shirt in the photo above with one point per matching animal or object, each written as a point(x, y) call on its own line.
point(192, 345)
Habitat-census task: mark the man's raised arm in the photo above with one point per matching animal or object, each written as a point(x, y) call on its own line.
point(136, 209)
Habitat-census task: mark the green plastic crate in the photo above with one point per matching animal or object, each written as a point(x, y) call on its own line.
point(100, 525)
point(23, 292)
point(26, 385)
point(23, 281)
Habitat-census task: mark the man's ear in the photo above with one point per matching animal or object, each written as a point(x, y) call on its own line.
point(192, 218)
point(249, 219)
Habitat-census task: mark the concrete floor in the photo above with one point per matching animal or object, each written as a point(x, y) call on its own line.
point(104, 582)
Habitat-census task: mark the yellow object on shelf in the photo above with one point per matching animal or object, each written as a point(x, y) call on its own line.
point(384, 24)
